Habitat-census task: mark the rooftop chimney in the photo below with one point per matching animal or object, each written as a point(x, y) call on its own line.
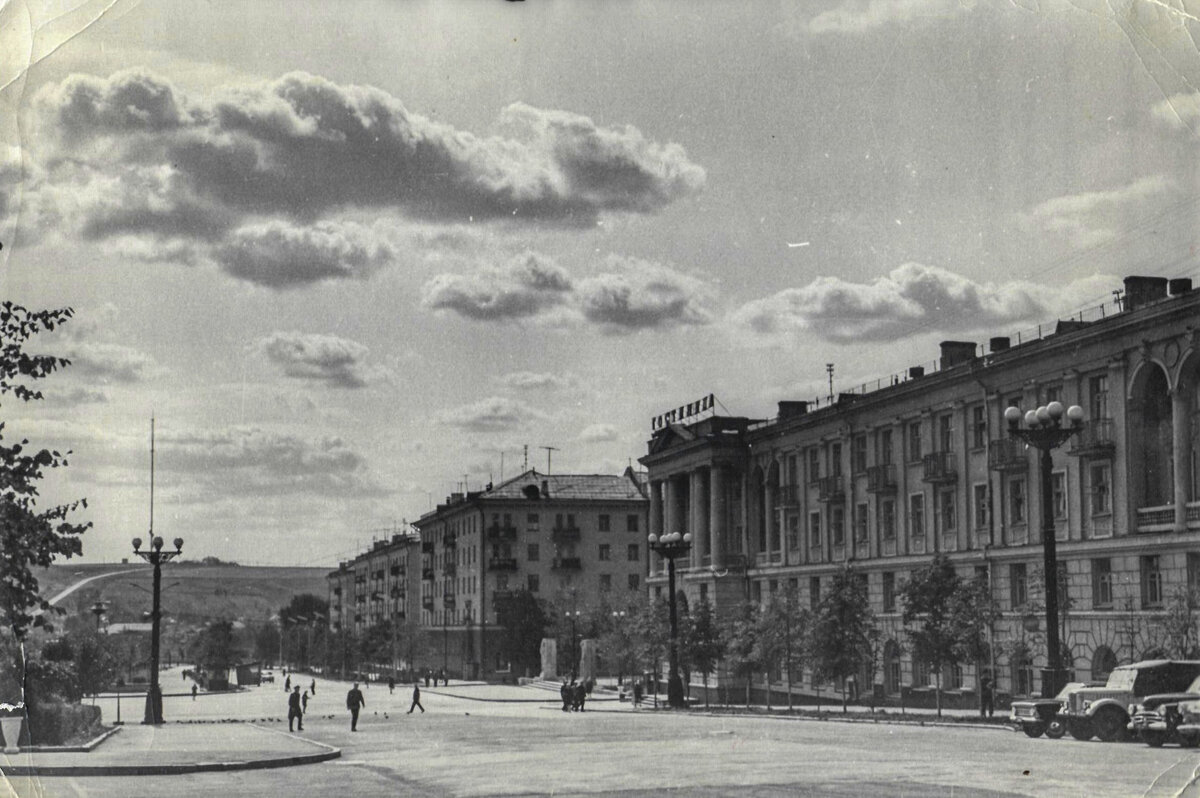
point(1141, 291)
point(1179, 286)
point(791, 409)
point(916, 371)
point(546, 488)
point(999, 343)
point(955, 353)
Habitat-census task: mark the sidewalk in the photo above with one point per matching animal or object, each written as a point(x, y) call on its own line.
point(137, 750)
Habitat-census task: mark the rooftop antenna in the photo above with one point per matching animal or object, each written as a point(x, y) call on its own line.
point(829, 371)
point(526, 466)
point(501, 466)
point(549, 449)
point(1120, 302)
point(152, 477)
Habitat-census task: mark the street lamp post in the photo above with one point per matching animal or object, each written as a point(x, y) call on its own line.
point(670, 546)
point(573, 615)
point(619, 623)
point(1045, 432)
point(98, 609)
point(156, 557)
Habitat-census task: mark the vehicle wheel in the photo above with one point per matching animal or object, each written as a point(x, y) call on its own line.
point(1080, 729)
point(1154, 739)
point(1110, 725)
point(1033, 729)
point(1056, 729)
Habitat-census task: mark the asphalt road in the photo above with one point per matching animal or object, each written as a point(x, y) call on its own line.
point(465, 747)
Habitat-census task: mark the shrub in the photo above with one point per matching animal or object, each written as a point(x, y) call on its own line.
point(57, 723)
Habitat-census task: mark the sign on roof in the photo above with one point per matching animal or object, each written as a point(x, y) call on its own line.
point(683, 412)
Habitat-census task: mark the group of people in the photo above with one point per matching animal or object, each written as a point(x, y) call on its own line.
point(355, 701)
point(298, 703)
point(574, 694)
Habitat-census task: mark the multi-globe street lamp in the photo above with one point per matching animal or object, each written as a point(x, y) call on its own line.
point(573, 617)
point(1044, 431)
point(669, 547)
point(156, 557)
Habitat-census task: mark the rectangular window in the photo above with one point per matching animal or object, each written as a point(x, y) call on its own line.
point(533, 552)
point(631, 523)
point(1098, 397)
point(531, 519)
point(1152, 585)
point(1193, 574)
point(814, 592)
point(633, 553)
point(946, 433)
point(502, 581)
point(1102, 584)
point(835, 460)
point(814, 530)
point(916, 515)
point(602, 522)
point(887, 519)
point(837, 524)
point(978, 427)
point(914, 442)
point(860, 522)
point(979, 505)
point(814, 464)
point(1018, 585)
point(634, 582)
point(605, 583)
point(1100, 488)
point(889, 591)
point(605, 552)
point(1016, 500)
point(532, 583)
point(1058, 494)
point(885, 446)
point(858, 458)
point(1053, 393)
point(948, 509)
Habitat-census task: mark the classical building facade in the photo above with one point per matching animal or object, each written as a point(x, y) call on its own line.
point(577, 539)
point(883, 480)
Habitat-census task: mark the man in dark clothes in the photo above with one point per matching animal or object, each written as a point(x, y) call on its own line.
point(304, 701)
point(193, 692)
point(987, 696)
point(287, 685)
point(416, 702)
point(580, 696)
point(637, 693)
point(354, 702)
point(294, 712)
point(314, 687)
point(391, 685)
point(567, 696)
point(426, 677)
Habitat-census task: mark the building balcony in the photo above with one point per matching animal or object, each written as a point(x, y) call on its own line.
point(360, 599)
point(787, 496)
point(397, 570)
point(448, 600)
point(1007, 455)
point(427, 602)
point(499, 532)
point(502, 564)
point(427, 547)
point(881, 478)
point(450, 540)
point(831, 489)
point(940, 468)
point(567, 563)
point(1098, 438)
point(449, 569)
point(499, 596)
point(337, 591)
point(427, 574)
point(397, 592)
point(565, 534)
point(398, 613)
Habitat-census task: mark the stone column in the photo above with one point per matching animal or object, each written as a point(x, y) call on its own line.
point(695, 517)
point(716, 515)
point(1180, 449)
point(656, 508)
point(768, 506)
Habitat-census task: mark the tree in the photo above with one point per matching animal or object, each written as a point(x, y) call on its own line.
point(29, 536)
point(796, 622)
point(703, 645)
point(928, 597)
point(524, 622)
point(973, 613)
point(1179, 624)
point(299, 620)
point(843, 631)
point(741, 647)
point(214, 648)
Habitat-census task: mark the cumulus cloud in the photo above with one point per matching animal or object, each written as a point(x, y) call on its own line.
point(911, 299)
point(637, 294)
point(260, 171)
point(87, 341)
point(857, 16)
point(282, 255)
point(493, 414)
point(626, 295)
point(320, 358)
point(1092, 218)
point(535, 381)
point(598, 433)
point(525, 286)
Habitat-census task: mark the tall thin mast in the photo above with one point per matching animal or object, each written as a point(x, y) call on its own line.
point(152, 478)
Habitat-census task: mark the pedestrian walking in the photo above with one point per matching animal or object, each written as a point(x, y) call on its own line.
point(304, 701)
point(637, 693)
point(391, 685)
point(194, 689)
point(416, 700)
point(445, 681)
point(426, 677)
point(354, 702)
point(987, 696)
point(287, 685)
point(580, 695)
point(566, 695)
point(313, 687)
point(295, 714)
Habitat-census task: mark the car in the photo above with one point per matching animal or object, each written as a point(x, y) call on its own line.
point(1041, 715)
point(267, 676)
point(1156, 720)
point(1103, 712)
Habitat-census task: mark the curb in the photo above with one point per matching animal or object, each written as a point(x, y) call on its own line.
point(873, 721)
point(176, 768)
point(83, 748)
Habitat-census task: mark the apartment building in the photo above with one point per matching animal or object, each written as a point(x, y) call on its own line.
point(883, 479)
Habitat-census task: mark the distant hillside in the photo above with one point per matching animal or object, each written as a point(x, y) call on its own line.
point(192, 593)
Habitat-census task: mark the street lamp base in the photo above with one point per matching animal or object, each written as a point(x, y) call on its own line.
point(675, 698)
point(1053, 680)
point(153, 715)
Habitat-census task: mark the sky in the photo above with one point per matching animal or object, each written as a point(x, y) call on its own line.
point(354, 256)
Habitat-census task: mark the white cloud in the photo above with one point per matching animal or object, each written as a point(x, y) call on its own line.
point(1091, 218)
point(599, 433)
point(86, 340)
point(637, 294)
point(493, 414)
point(525, 286)
point(280, 254)
point(321, 358)
point(535, 381)
point(857, 16)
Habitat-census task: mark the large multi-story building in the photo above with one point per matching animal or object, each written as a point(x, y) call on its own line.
point(884, 479)
point(576, 538)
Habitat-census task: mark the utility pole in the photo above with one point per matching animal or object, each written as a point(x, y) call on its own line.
point(829, 371)
point(549, 449)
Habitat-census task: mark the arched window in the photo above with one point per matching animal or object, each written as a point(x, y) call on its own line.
point(1103, 662)
point(891, 667)
point(1150, 435)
